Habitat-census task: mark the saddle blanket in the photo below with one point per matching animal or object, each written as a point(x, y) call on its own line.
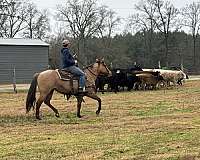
point(67, 76)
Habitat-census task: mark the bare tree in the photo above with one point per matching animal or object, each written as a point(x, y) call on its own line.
point(3, 15)
point(108, 24)
point(191, 19)
point(43, 25)
point(165, 20)
point(82, 19)
point(144, 21)
point(14, 14)
point(32, 11)
point(37, 23)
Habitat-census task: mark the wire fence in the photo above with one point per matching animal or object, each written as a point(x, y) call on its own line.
point(11, 88)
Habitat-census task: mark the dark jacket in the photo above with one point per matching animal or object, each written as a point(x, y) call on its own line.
point(66, 58)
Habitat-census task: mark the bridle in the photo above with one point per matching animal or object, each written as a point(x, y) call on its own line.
point(105, 66)
point(88, 67)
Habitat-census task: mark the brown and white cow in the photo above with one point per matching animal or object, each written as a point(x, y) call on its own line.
point(149, 79)
point(173, 76)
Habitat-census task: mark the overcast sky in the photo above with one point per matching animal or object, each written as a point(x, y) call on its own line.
point(123, 8)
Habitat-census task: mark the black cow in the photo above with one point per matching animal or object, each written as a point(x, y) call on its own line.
point(131, 82)
point(120, 79)
point(100, 83)
point(132, 79)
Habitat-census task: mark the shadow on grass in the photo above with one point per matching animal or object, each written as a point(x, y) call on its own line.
point(13, 120)
point(48, 118)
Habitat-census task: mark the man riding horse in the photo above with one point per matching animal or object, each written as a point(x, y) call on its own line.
point(68, 64)
point(50, 80)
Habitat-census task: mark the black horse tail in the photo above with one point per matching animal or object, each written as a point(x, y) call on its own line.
point(31, 96)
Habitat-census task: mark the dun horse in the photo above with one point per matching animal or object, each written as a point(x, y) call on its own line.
point(48, 81)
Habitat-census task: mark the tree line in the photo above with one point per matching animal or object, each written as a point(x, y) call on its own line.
point(156, 35)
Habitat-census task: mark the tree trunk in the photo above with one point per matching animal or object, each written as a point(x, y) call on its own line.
point(166, 51)
point(194, 51)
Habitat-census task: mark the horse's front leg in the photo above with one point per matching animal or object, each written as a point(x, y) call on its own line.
point(95, 97)
point(79, 101)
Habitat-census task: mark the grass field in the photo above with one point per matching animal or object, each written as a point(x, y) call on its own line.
point(137, 125)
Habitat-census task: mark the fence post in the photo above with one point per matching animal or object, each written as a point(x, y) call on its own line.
point(14, 81)
point(159, 66)
point(182, 68)
point(111, 65)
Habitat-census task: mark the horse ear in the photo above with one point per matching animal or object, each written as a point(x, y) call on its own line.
point(102, 59)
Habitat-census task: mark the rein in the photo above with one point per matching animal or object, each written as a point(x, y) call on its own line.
point(88, 67)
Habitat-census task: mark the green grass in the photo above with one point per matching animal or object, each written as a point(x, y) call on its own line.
point(138, 125)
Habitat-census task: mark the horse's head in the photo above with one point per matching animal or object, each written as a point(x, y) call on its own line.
point(102, 68)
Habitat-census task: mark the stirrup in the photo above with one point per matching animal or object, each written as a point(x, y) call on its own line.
point(82, 90)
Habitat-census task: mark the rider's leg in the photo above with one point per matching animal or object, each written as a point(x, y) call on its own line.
point(77, 71)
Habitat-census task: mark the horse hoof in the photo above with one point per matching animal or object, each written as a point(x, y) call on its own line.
point(97, 112)
point(79, 116)
point(57, 115)
point(38, 118)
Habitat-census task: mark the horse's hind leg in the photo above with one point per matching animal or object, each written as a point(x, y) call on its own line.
point(38, 104)
point(47, 102)
point(79, 101)
point(95, 97)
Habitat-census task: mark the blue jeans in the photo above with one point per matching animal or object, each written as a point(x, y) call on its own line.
point(78, 72)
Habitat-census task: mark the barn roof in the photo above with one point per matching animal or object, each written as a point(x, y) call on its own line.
point(22, 42)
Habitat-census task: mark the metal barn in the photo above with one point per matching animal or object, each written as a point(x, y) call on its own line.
point(21, 58)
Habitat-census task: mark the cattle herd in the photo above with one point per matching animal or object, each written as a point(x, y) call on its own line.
point(136, 78)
